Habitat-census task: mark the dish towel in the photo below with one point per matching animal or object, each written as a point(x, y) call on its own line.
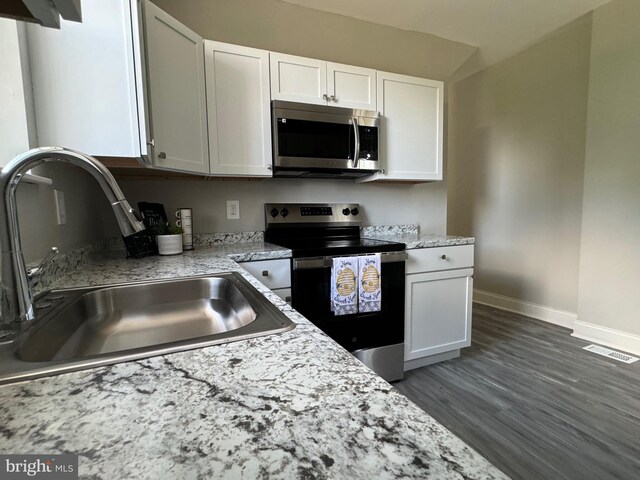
point(370, 283)
point(344, 289)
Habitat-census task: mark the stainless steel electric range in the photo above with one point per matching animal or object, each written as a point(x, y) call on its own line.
point(316, 234)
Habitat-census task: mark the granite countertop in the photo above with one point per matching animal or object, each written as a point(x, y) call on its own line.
point(291, 405)
point(411, 236)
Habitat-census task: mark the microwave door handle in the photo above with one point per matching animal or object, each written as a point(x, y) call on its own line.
point(356, 134)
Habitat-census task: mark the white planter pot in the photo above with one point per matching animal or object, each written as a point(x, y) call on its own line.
point(169, 244)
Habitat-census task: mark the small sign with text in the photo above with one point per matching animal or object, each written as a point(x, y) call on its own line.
point(30, 467)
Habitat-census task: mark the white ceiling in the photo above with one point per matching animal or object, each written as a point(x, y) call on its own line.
point(499, 28)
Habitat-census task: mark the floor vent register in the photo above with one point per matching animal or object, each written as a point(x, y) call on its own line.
point(607, 352)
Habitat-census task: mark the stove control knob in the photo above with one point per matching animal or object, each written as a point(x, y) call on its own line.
point(284, 212)
point(355, 211)
point(274, 212)
point(346, 211)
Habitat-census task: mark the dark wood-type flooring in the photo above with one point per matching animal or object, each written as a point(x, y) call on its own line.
point(529, 399)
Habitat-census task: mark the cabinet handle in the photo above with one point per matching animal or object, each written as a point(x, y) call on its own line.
point(325, 96)
point(162, 155)
point(265, 273)
point(443, 257)
point(333, 98)
point(287, 299)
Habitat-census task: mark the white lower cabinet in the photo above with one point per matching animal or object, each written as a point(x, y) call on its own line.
point(274, 274)
point(284, 294)
point(438, 304)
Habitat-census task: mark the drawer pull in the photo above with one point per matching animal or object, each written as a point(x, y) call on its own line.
point(265, 273)
point(288, 299)
point(443, 257)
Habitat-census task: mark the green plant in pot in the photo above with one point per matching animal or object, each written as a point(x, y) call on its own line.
point(169, 239)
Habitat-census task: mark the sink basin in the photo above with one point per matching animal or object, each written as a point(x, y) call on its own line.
point(87, 327)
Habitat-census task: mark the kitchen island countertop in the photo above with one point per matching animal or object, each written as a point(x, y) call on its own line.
point(292, 405)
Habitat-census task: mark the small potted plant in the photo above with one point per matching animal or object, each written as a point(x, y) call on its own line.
point(169, 239)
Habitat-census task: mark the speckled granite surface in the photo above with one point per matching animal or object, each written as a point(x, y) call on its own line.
point(209, 239)
point(425, 240)
point(293, 405)
point(104, 268)
point(372, 231)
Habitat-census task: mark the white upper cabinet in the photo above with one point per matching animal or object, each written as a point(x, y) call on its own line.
point(307, 80)
point(237, 80)
point(175, 66)
point(84, 84)
point(14, 124)
point(411, 128)
point(298, 79)
point(97, 88)
point(351, 87)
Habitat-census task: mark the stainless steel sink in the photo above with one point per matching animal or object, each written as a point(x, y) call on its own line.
point(87, 327)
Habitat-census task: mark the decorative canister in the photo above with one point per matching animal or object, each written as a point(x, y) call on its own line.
point(169, 244)
point(185, 221)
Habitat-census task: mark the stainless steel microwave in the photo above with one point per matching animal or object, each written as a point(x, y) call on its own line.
point(322, 141)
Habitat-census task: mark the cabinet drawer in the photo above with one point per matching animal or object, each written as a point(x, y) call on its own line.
point(439, 258)
point(272, 273)
point(284, 294)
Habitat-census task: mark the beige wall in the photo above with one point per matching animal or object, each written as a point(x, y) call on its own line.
point(382, 204)
point(89, 215)
point(610, 256)
point(282, 27)
point(516, 153)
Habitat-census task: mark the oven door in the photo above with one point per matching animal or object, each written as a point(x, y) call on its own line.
point(311, 296)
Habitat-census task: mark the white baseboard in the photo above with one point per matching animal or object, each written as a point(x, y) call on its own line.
point(616, 339)
point(540, 312)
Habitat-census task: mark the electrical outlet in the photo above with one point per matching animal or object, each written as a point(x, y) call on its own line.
point(61, 209)
point(233, 209)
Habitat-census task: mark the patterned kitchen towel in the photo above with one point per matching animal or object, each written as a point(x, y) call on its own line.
point(344, 290)
point(369, 284)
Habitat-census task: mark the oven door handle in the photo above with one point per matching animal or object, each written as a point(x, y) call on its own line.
point(356, 135)
point(326, 262)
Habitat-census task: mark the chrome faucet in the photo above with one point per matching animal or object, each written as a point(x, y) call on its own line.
point(16, 293)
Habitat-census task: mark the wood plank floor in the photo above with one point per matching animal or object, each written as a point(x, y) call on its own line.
point(527, 397)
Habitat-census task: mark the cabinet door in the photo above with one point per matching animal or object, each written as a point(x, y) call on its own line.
point(351, 87)
point(410, 127)
point(83, 80)
point(175, 68)
point(298, 79)
point(437, 312)
point(238, 107)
